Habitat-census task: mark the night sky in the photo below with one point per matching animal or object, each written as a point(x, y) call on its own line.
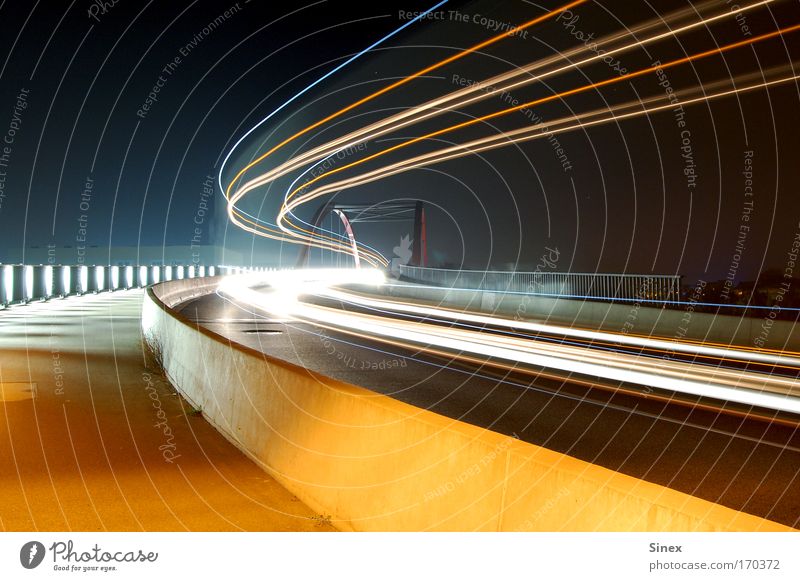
point(86, 141)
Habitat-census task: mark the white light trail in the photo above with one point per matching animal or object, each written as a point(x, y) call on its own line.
point(288, 288)
point(532, 73)
point(577, 122)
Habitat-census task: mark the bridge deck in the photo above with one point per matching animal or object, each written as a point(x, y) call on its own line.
point(92, 440)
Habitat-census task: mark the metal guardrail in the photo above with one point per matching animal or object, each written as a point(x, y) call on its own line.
point(23, 283)
point(557, 284)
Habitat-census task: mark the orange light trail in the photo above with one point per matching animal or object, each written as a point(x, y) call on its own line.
point(549, 98)
point(561, 95)
point(319, 240)
point(582, 121)
point(403, 81)
point(371, 257)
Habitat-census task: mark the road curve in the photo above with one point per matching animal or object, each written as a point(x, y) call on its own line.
point(700, 446)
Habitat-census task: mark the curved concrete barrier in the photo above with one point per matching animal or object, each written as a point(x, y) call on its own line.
point(372, 463)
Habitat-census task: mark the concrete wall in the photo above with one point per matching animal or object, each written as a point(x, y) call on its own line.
point(631, 318)
point(180, 291)
point(372, 463)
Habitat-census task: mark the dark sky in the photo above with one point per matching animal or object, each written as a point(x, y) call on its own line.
point(623, 204)
point(88, 77)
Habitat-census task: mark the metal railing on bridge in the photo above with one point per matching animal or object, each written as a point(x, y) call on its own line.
point(580, 285)
point(23, 283)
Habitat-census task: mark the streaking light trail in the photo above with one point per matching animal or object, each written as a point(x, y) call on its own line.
point(267, 230)
point(291, 294)
point(297, 195)
point(528, 105)
point(577, 122)
point(320, 80)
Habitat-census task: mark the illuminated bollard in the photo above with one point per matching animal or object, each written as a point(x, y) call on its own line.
point(98, 273)
point(17, 284)
point(201, 271)
point(191, 271)
point(66, 280)
point(7, 284)
point(84, 280)
point(142, 273)
point(128, 277)
point(50, 281)
point(168, 273)
point(90, 281)
point(103, 278)
point(37, 278)
point(157, 274)
point(114, 278)
point(211, 271)
point(27, 283)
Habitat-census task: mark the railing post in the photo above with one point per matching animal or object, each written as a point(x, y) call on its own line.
point(104, 282)
point(70, 282)
point(114, 278)
point(18, 284)
point(93, 283)
point(6, 284)
point(140, 274)
point(127, 277)
point(38, 290)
